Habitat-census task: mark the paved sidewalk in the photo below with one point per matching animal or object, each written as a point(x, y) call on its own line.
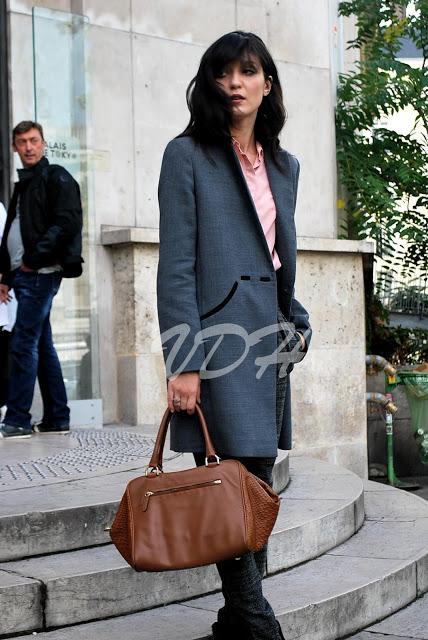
point(81, 453)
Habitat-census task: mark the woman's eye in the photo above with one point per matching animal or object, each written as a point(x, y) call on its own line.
point(220, 74)
point(249, 71)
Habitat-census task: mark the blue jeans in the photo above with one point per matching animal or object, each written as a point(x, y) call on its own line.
point(245, 607)
point(33, 353)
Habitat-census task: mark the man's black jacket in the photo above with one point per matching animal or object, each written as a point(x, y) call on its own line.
point(50, 220)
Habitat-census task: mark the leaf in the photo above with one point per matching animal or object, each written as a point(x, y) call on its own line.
point(384, 171)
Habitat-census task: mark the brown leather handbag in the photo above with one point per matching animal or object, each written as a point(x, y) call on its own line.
point(193, 517)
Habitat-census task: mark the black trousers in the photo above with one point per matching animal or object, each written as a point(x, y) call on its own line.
point(246, 612)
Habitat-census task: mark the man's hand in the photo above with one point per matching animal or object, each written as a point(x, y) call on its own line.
point(184, 391)
point(4, 294)
point(26, 269)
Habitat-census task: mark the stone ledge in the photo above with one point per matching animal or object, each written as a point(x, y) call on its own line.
point(333, 245)
point(112, 235)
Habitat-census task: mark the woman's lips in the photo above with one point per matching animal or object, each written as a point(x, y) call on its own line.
point(237, 98)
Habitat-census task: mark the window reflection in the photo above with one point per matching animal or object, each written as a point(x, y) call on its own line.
point(61, 99)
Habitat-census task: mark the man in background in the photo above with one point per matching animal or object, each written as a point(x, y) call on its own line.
point(41, 244)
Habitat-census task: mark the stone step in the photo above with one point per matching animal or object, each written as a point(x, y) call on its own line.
point(411, 623)
point(379, 570)
point(322, 506)
point(68, 514)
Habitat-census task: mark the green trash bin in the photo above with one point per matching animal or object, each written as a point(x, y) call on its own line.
point(416, 386)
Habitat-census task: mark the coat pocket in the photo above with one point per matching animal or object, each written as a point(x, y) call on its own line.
point(222, 304)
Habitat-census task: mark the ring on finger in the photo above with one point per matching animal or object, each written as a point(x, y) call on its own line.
point(176, 400)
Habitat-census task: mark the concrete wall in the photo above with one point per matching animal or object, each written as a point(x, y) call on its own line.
point(147, 52)
point(328, 387)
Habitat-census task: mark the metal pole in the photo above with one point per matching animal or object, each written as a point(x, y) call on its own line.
point(392, 478)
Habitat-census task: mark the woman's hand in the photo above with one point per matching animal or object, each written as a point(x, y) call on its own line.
point(184, 391)
point(302, 340)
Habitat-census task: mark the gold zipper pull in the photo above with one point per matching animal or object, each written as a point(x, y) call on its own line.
point(146, 499)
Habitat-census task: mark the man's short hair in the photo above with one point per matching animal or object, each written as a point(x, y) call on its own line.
point(24, 126)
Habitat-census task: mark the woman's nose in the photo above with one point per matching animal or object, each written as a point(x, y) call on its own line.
point(235, 80)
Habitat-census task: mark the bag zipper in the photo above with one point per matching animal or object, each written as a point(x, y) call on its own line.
point(149, 494)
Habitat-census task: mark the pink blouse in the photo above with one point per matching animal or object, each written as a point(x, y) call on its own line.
point(259, 187)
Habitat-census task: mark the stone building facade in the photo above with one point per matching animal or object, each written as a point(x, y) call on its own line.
point(124, 70)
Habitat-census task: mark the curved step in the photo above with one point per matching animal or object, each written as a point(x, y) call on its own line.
point(383, 567)
point(409, 623)
point(322, 506)
point(73, 514)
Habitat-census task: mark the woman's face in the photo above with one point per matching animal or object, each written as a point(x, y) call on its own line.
point(245, 84)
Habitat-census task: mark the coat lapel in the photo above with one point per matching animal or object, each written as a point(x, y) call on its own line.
point(255, 215)
point(282, 187)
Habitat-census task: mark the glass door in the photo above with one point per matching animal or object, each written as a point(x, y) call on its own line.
point(61, 91)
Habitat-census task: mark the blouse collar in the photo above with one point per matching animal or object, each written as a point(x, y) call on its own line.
point(259, 149)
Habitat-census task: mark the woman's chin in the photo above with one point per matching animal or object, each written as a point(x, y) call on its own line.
point(238, 115)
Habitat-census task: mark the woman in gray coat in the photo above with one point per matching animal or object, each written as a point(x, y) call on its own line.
point(231, 326)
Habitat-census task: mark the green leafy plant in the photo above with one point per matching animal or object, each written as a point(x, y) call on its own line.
point(399, 345)
point(384, 173)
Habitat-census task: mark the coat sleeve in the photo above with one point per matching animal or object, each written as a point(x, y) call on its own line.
point(178, 311)
point(66, 221)
point(300, 318)
point(298, 314)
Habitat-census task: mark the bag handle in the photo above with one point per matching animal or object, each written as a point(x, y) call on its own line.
point(155, 464)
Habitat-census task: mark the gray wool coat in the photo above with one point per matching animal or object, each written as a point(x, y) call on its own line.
point(218, 295)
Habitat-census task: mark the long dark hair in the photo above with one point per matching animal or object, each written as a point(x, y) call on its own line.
point(210, 108)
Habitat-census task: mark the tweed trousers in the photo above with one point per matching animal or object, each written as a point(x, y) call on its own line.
point(281, 377)
point(246, 612)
